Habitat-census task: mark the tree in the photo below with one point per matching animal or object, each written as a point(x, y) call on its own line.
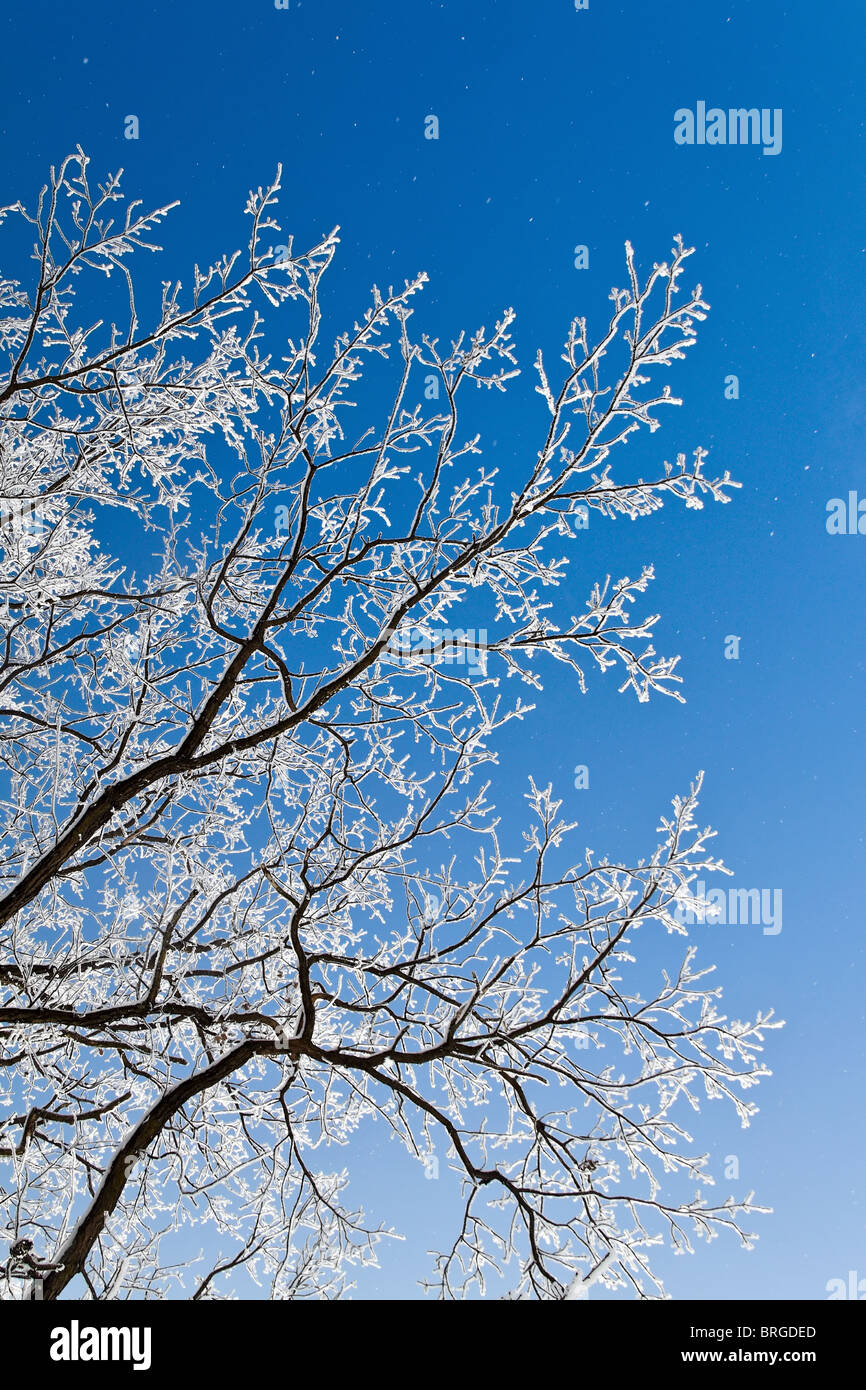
point(254, 893)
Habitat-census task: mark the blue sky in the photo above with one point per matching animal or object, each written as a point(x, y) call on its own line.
point(556, 129)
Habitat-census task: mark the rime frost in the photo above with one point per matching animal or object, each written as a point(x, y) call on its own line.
point(253, 891)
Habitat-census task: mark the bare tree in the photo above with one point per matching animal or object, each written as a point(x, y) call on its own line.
point(254, 894)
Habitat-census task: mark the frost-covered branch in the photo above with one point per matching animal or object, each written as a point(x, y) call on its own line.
point(253, 892)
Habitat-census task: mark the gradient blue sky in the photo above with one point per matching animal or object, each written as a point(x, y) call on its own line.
point(556, 128)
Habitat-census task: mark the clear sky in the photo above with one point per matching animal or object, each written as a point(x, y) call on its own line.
point(556, 129)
